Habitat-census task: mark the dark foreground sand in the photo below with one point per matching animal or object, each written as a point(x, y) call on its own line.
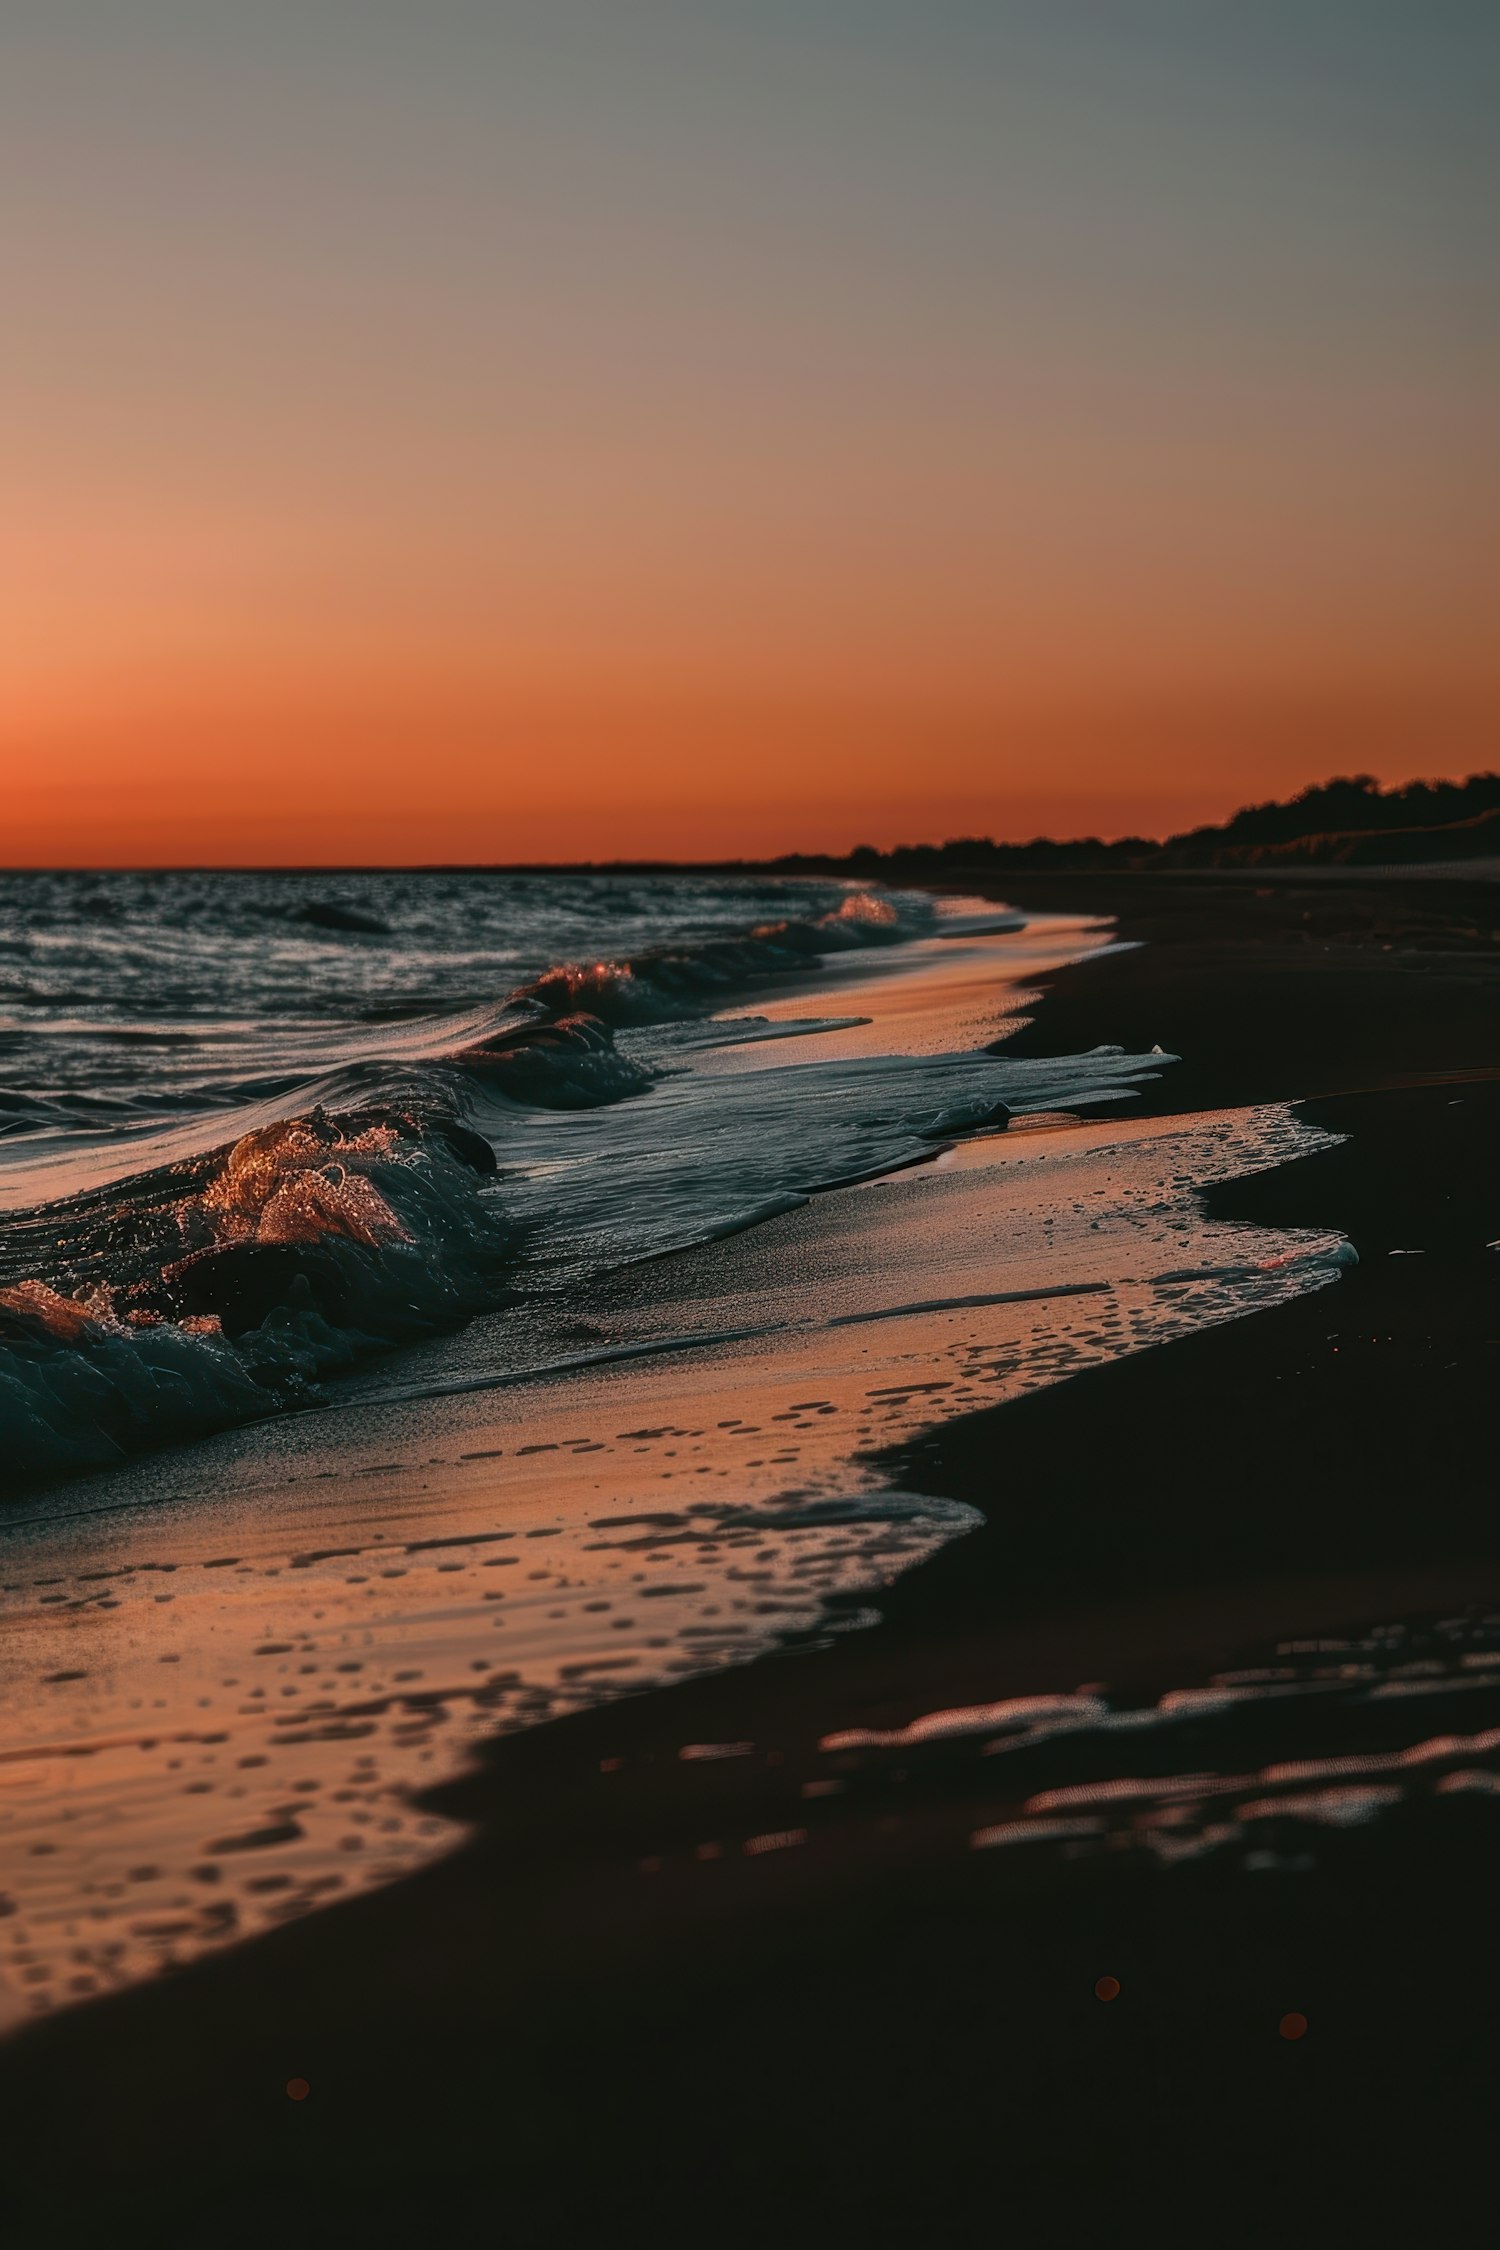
point(606, 2017)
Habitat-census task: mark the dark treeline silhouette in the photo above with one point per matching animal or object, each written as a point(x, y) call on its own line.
point(1336, 812)
point(1348, 821)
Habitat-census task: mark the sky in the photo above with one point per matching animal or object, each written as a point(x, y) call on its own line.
point(548, 429)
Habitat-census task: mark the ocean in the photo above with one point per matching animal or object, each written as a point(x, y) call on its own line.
point(434, 1304)
point(254, 1128)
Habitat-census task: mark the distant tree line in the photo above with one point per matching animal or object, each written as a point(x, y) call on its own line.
point(1349, 820)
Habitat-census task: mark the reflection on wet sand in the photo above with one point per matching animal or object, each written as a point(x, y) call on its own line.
point(227, 1672)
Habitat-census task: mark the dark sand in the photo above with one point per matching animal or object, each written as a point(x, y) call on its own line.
point(605, 2017)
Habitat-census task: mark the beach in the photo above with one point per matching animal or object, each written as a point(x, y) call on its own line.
point(749, 1102)
point(1014, 1641)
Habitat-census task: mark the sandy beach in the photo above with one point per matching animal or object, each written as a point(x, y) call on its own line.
point(749, 1102)
point(1113, 1560)
point(232, 1668)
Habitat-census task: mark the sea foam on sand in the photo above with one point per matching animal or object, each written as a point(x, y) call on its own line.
point(231, 1669)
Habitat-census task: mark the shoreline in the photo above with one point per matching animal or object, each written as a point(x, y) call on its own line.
point(733, 2000)
point(348, 1602)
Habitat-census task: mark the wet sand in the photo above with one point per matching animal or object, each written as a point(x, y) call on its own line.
point(228, 1672)
point(780, 1986)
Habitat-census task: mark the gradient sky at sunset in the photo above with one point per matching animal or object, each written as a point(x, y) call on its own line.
point(494, 429)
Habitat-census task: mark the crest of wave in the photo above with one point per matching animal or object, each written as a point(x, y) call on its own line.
point(187, 1303)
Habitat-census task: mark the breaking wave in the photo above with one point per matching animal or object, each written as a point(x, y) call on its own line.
point(244, 1241)
point(217, 1291)
point(671, 981)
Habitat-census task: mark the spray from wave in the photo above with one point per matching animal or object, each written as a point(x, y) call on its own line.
point(225, 1267)
point(212, 1293)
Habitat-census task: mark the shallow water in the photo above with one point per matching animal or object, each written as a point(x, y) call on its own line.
point(195, 1240)
point(1253, 1767)
point(229, 1667)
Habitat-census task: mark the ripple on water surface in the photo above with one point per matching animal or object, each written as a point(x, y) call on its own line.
point(230, 1673)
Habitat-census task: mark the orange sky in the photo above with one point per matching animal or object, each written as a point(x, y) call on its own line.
point(554, 432)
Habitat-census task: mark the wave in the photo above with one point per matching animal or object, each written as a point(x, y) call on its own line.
point(675, 980)
point(221, 1290)
point(222, 1267)
point(566, 1062)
